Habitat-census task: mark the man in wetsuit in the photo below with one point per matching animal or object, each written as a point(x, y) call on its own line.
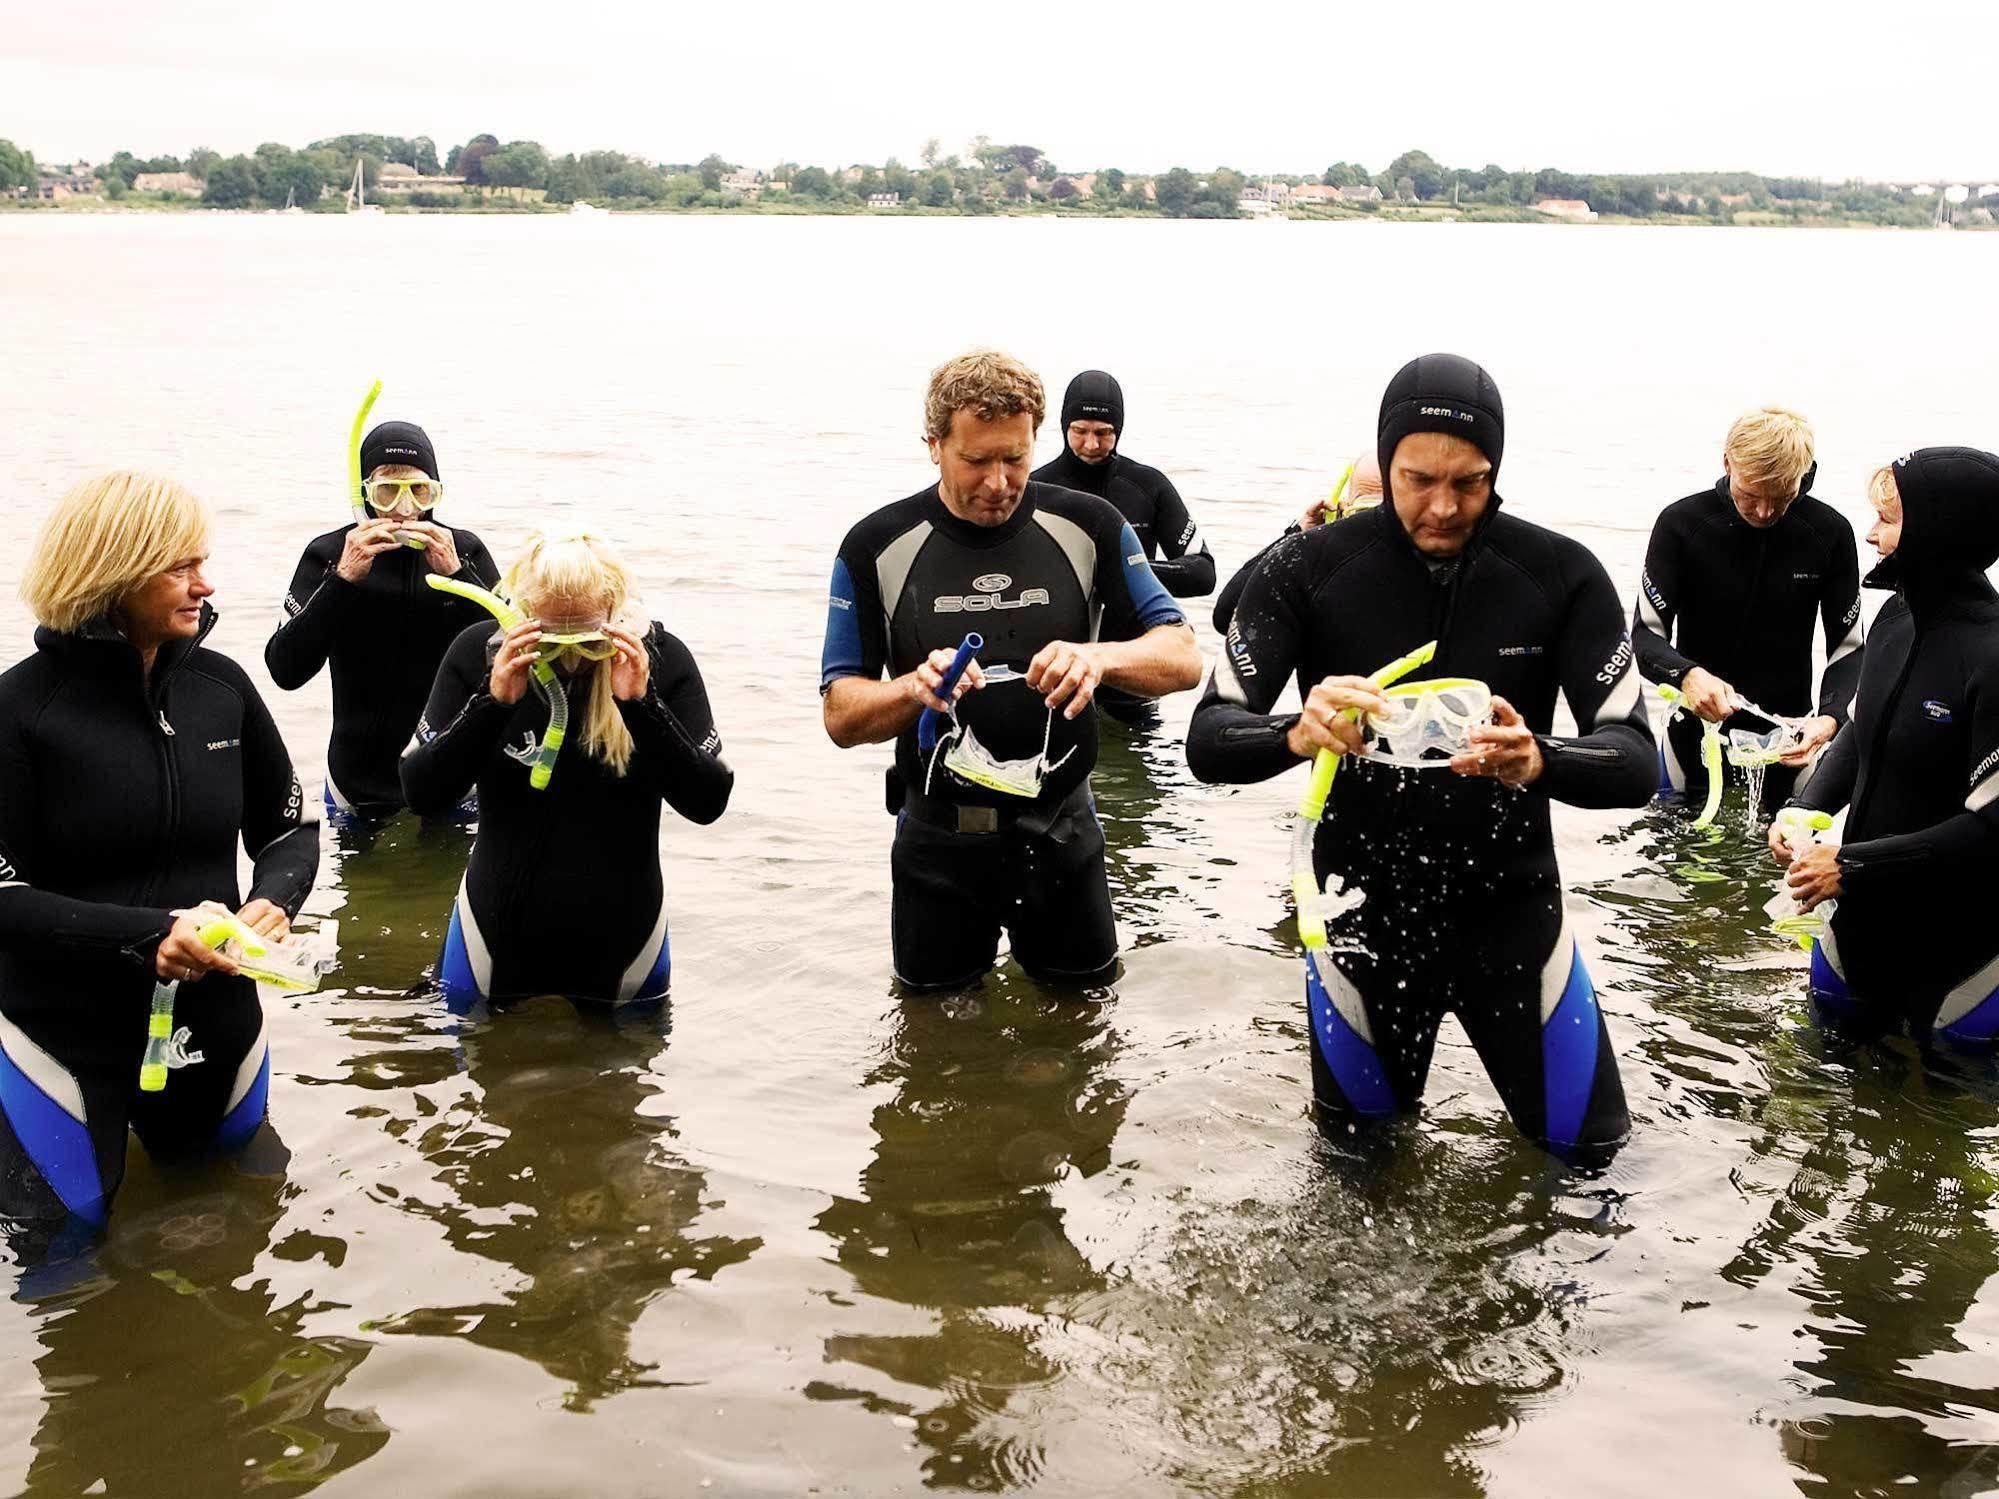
point(1092, 424)
point(1733, 578)
point(358, 601)
point(1361, 492)
point(1463, 899)
point(1031, 568)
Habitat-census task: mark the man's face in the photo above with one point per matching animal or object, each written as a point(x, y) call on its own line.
point(1757, 501)
point(1091, 441)
point(982, 466)
point(1442, 486)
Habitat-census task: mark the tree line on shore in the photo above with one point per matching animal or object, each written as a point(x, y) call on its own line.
point(987, 178)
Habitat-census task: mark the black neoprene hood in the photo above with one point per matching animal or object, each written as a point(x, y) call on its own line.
point(398, 442)
point(1094, 396)
point(1441, 393)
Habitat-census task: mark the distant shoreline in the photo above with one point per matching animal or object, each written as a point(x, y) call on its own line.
point(1390, 213)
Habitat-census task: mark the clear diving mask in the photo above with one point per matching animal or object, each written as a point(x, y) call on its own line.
point(965, 757)
point(1748, 749)
point(1427, 722)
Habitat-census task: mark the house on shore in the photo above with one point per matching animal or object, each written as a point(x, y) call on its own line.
point(1574, 210)
point(399, 178)
point(54, 184)
point(745, 185)
point(174, 184)
point(884, 200)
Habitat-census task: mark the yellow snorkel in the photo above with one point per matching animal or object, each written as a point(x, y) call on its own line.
point(357, 495)
point(1710, 753)
point(542, 769)
point(289, 965)
point(1306, 893)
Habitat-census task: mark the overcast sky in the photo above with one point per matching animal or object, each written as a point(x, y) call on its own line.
point(1895, 88)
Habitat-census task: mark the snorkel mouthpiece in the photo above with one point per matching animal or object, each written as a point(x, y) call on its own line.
point(927, 723)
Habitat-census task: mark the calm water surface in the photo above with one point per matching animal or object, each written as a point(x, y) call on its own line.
point(800, 1235)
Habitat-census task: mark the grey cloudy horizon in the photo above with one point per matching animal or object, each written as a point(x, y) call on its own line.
point(1785, 88)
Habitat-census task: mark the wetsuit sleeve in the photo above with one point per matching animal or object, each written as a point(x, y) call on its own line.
point(1187, 567)
point(1839, 611)
point(1658, 603)
point(283, 844)
point(461, 723)
point(1128, 588)
point(679, 748)
point(1231, 594)
point(1612, 761)
point(1966, 844)
point(1830, 784)
point(32, 917)
point(313, 605)
point(1233, 736)
point(856, 627)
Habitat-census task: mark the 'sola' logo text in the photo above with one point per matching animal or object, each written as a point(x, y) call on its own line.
point(988, 593)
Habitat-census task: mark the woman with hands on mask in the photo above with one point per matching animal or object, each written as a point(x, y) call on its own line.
point(358, 603)
point(564, 891)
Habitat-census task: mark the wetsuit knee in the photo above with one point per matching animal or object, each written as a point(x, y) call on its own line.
point(1347, 1075)
point(1969, 1015)
point(49, 1163)
point(1582, 1095)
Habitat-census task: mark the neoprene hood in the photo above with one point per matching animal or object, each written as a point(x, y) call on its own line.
point(1441, 393)
point(1094, 396)
point(398, 442)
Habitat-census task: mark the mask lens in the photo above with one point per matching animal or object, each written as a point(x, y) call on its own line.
point(402, 496)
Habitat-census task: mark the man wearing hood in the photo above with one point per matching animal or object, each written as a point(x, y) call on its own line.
point(1462, 908)
point(1912, 940)
point(1734, 577)
point(1092, 426)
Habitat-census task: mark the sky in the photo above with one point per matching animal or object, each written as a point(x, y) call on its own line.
point(1823, 89)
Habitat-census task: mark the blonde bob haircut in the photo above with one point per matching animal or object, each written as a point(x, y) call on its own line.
point(582, 574)
point(106, 536)
point(1882, 490)
point(1771, 448)
point(990, 383)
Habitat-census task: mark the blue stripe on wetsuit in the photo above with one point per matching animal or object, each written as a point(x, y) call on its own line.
point(57, 1142)
point(1569, 1039)
point(1347, 1054)
point(1150, 602)
point(842, 656)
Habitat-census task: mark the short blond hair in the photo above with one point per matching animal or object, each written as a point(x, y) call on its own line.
point(1882, 490)
point(105, 537)
point(988, 382)
point(583, 569)
point(1772, 447)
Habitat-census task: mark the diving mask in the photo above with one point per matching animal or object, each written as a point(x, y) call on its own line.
point(965, 757)
point(1427, 722)
point(558, 647)
point(403, 499)
point(1748, 749)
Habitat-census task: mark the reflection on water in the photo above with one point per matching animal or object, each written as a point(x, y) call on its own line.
point(554, 1163)
point(1001, 1092)
point(162, 1375)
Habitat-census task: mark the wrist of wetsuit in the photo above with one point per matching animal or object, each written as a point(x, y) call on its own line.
point(1259, 748)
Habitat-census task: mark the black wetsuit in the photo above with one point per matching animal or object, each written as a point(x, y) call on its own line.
point(1463, 908)
point(1739, 600)
point(1913, 938)
point(564, 892)
point(123, 800)
point(384, 637)
point(1147, 499)
point(912, 578)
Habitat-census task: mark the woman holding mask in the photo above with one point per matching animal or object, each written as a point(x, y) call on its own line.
point(133, 763)
point(564, 892)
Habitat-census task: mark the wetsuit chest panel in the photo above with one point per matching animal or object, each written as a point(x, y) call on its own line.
point(1750, 603)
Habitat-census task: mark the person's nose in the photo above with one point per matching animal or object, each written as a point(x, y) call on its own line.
point(198, 586)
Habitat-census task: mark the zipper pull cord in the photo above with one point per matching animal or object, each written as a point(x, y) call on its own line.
point(165, 727)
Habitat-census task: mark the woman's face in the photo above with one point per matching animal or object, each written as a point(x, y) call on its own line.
point(166, 606)
point(559, 616)
point(1886, 532)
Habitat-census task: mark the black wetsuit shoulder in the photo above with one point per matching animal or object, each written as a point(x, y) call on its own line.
point(383, 638)
point(1159, 517)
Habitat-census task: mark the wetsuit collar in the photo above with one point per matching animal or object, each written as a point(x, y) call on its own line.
point(966, 533)
point(1734, 516)
point(99, 645)
point(1071, 472)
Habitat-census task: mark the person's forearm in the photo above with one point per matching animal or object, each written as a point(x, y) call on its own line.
point(859, 711)
point(1658, 659)
point(1188, 576)
point(1164, 659)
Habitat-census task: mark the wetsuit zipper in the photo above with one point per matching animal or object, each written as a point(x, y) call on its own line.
point(1879, 743)
point(169, 771)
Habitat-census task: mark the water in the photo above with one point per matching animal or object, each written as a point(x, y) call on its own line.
point(802, 1236)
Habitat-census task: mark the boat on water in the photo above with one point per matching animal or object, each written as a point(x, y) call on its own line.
point(579, 206)
point(357, 195)
point(291, 202)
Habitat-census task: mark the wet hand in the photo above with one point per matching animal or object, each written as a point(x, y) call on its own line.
point(1814, 875)
point(923, 684)
point(1067, 676)
point(363, 545)
point(266, 920)
point(1325, 724)
point(440, 547)
point(1707, 695)
point(1505, 749)
point(1314, 516)
point(509, 681)
point(631, 668)
point(183, 956)
point(1818, 733)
